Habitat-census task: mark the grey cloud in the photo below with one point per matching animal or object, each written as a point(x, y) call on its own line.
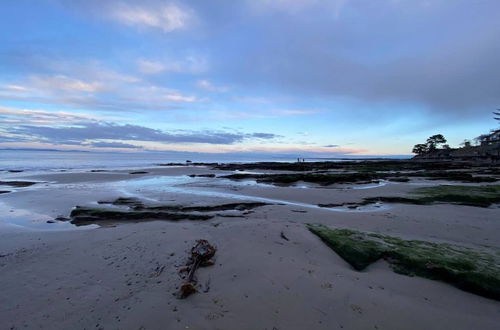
point(264, 135)
point(84, 131)
point(332, 146)
point(8, 139)
point(441, 55)
point(114, 145)
point(84, 84)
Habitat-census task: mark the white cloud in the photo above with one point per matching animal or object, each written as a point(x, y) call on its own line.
point(295, 6)
point(62, 82)
point(157, 95)
point(195, 64)
point(192, 64)
point(150, 67)
point(166, 17)
point(75, 93)
point(15, 88)
point(252, 99)
point(177, 97)
point(42, 117)
point(87, 70)
point(89, 85)
point(208, 86)
point(295, 112)
point(282, 5)
point(258, 113)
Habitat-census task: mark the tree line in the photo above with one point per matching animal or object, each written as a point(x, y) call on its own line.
point(431, 144)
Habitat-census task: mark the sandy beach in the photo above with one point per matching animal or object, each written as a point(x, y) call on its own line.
point(249, 165)
point(270, 272)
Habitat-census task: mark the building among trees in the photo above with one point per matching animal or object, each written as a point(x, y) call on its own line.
point(486, 148)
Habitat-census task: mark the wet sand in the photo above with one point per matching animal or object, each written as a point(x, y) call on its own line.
point(57, 276)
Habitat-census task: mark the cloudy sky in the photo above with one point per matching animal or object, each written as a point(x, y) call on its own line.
point(305, 77)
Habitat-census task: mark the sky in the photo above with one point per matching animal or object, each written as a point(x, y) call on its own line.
point(313, 78)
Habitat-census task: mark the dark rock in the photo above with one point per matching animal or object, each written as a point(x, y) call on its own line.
point(19, 184)
point(202, 175)
point(84, 216)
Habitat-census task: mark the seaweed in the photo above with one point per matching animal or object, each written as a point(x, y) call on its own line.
point(137, 204)
point(321, 179)
point(325, 179)
point(127, 201)
point(210, 208)
point(211, 175)
point(373, 165)
point(467, 269)
point(20, 184)
point(201, 253)
point(400, 179)
point(137, 211)
point(459, 176)
point(479, 196)
point(87, 215)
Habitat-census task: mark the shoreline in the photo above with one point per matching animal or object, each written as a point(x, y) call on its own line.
point(107, 276)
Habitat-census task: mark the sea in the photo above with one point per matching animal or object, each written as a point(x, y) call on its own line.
point(39, 160)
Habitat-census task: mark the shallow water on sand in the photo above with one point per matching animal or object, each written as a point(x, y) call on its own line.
point(149, 188)
point(13, 219)
point(146, 188)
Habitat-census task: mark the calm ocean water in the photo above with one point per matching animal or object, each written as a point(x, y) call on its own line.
point(55, 160)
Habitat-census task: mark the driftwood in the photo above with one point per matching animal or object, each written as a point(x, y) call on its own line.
point(201, 253)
